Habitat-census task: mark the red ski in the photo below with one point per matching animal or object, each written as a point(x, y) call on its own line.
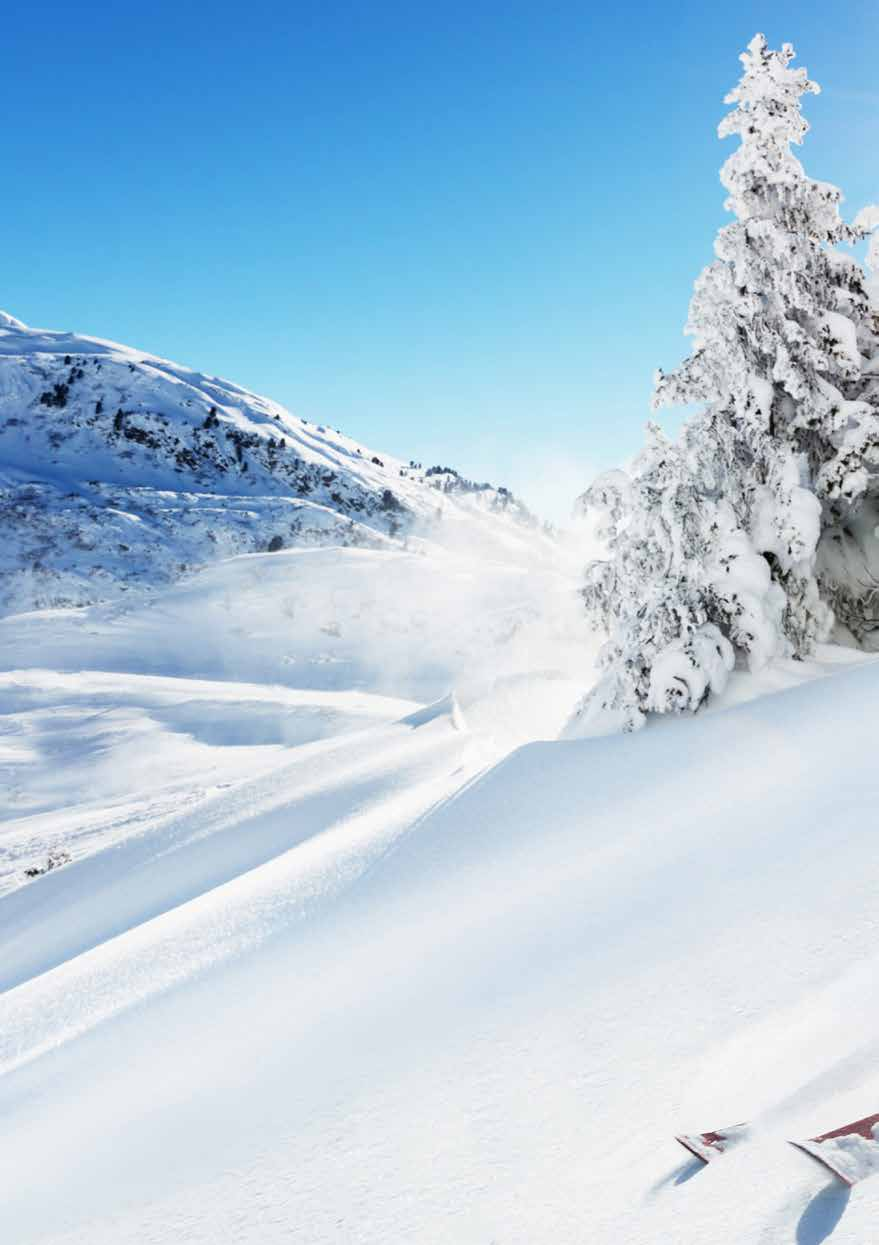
point(707, 1146)
point(850, 1152)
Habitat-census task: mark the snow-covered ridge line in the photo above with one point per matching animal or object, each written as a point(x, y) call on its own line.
point(121, 469)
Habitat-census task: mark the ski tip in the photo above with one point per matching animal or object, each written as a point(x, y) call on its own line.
point(707, 1146)
point(850, 1152)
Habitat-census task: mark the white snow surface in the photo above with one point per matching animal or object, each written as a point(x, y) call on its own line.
point(312, 929)
point(339, 955)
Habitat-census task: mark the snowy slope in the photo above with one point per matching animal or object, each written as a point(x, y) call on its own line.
point(311, 929)
point(113, 716)
point(398, 983)
point(121, 470)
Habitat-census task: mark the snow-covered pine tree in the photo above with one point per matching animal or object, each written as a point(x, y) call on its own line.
point(712, 540)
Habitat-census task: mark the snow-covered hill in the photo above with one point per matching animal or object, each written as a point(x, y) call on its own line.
point(119, 469)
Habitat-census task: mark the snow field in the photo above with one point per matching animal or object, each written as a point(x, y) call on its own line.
point(472, 1004)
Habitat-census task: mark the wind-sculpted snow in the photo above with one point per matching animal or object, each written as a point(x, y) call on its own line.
point(115, 716)
point(121, 471)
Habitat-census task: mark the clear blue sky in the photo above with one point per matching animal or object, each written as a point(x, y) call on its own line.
point(460, 231)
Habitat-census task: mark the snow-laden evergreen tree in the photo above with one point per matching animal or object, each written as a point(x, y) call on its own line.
point(713, 539)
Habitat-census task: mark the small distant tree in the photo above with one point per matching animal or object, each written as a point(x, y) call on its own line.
point(713, 540)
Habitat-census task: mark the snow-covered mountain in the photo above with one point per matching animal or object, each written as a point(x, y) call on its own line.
point(118, 469)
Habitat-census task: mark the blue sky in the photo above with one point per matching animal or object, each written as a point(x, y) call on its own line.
point(460, 232)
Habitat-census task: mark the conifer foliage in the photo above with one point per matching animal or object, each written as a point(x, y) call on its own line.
point(713, 539)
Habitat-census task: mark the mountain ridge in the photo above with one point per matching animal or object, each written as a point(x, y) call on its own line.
point(121, 469)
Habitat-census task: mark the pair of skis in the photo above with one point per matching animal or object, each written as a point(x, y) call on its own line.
point(850, 1152)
